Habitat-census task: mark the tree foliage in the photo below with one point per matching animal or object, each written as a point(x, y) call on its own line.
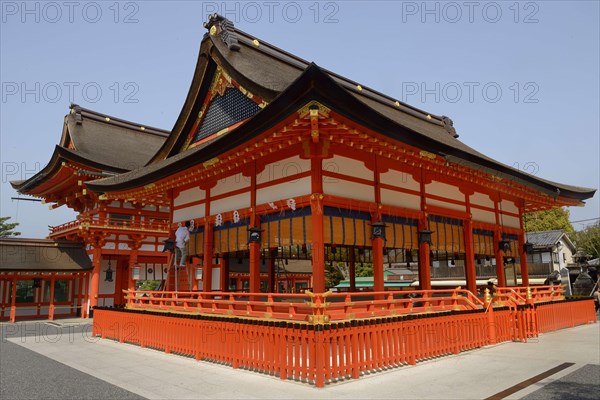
point(333, 274)
point(548, 220)
point(149, 285)
point(588, 240)
point(7, 228)
point(364, 270)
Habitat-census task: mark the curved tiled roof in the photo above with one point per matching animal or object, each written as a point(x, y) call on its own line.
point(99, 142)
point(286, 81)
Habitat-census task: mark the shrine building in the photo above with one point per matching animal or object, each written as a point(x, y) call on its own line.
point(285, 171)
point(325, 169)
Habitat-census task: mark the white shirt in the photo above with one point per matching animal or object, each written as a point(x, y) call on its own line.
point(182, 236)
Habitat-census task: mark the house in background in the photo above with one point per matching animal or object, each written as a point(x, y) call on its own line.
point(552, 250)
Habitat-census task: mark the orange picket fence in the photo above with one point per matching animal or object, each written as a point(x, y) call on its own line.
point(321, 352)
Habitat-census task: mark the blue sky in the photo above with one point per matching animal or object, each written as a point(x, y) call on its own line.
point(519, 79)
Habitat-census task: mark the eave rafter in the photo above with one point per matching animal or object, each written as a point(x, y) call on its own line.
point(334, 129)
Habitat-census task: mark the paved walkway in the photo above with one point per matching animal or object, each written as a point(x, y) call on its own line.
point(73, 359)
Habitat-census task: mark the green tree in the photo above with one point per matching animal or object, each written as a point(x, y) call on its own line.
point(548, 220)
point(364, 270)
point(333, 274)
point(588, 240)
point(149, 285)
point(7, 228)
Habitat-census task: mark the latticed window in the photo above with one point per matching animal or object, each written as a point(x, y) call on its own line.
point(224, 111)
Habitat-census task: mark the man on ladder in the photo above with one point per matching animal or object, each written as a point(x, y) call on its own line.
point(182, 237)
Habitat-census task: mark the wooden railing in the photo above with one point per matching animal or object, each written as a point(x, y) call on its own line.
point(115, 223)
point(309, 307)
point(535, 294)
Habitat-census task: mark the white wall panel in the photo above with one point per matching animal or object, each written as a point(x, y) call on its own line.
point(509, 206)
point(444, 190)
point(189, 196)
point(482, 200)
point(483, 216)
point(107, 287)
point(444, 204)
point(399, 199)
point(511, 221)
point(216, 279)
point(351, 190)
point(284, 168)
point(348, 166)
point(187, 213)
point(230, 203)
point(229, 184)
point(283, 191)
point(399, 179)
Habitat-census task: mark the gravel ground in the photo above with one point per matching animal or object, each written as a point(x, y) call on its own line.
point(583, 383)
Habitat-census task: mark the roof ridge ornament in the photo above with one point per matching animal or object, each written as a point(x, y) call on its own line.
point(217, 24)
point(76, 109)
point(449, 126)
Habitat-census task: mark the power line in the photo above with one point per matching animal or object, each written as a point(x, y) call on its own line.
point(584, 220)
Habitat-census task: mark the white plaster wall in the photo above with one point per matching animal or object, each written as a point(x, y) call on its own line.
point(482, 200)
point(229, 184)
point(398, 199)
point(510, 221)
point(399, 179)
point(283, 191)
point(106, 302)
point(444, 204)
point(284, 168)
point(444, 190)
point(509, 206)
point(349, 190)
point(348, 166)
point(483, 215)
point(230, 203)
point(187, 213)
point(216, 279)
point(107, 287)
point(188, 196)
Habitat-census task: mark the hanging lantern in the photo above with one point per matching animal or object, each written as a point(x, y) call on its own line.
point(425, 236)
point(136, 272)
point(378, 230)
point(254, 236)
point(109, 273)
point(504, 245)
point(528, 247)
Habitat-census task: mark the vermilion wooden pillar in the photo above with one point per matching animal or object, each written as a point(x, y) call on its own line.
point(317, 210)
point(254, 267)
point(225, 274)
point(470, 273)
point(51, 308)
point(271, 274)
point(499, 260)
point(95, 281)
point(195, 264)
point(208, 255)
point(133, 259)
point(522, 255)
point(378, 284)
point(318, 243)
point(424, 262)
point(86, 297)
point(13, 299)
point(352, 270)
